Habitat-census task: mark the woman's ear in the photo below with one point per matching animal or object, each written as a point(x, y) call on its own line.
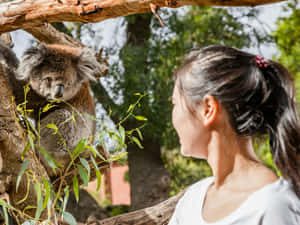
point(209, 109)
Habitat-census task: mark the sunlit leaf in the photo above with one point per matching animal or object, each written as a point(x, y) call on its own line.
point(75, 187)
point(122, 133)
point(139, 133)
point(22, 170)
point(53, 127)
point(79, 147)
point(47, 192)
point(48, 107)
point(142, 118)
point(31, 142)
point(137, 142)
point(66, 198)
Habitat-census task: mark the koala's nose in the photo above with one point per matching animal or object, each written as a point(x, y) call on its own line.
point(59, 91)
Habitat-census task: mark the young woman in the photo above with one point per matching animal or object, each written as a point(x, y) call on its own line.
point(223, 98)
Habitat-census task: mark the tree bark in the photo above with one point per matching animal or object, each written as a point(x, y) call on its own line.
point(24, 14)
point(12, 144)
point(159, 214)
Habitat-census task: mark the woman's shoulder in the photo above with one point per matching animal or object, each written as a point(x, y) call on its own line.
point(279, 204)
point(279, 196)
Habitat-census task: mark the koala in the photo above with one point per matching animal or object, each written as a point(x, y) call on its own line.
point(60, 72)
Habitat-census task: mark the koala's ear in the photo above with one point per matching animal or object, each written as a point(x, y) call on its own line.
point(88, 65)
point(31, 59)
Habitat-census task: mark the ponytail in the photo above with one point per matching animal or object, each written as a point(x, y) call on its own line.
point(284, 130)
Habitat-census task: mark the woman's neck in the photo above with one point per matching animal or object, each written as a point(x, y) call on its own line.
point(230, 158)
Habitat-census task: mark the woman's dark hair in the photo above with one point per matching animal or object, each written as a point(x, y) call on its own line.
point(259, 100)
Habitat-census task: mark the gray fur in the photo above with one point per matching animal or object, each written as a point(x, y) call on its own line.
point(48, 69)
point(88, 66)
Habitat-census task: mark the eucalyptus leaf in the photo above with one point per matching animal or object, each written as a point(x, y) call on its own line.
point(22, 170)
point(83, 175)
point(76, 188)
point(69, 218)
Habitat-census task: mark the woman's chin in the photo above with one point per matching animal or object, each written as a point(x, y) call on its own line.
point(189, 153)
point(184, 152)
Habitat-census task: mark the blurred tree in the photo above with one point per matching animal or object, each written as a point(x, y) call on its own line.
point(146, 64)
point(287, 36)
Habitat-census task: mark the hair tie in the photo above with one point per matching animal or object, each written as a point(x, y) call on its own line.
point(260, 61)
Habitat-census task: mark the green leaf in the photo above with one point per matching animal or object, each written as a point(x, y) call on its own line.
point(47, 192)
point(142, 118)
point(6, 205)
point(31, 142)
point(48, 107)
point(122, 133)
point(86, 165)
point(79, 147)
point(53, 127)
point(25, 150)
point(83, 175)
point(75, 187)
point(137, 142)
point(5, 215)
point(95, 151)
point(22, 170)
point(69, 218)
point(119, 156)
point(99, 179)
point(98, 174)
point(66, 198)
point(139, 133)
point(130, 108)
point(39, 196)
point(51, 162)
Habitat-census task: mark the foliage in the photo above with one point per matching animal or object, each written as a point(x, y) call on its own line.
point(83, 159)
point(287, 36)
point(184, 171)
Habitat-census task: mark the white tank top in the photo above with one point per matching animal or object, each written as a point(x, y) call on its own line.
point(273, 204)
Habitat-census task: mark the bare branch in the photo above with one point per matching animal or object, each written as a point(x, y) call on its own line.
point(159, 214)
point(24, 14)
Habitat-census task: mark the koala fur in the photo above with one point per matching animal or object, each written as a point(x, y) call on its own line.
point(60, 72)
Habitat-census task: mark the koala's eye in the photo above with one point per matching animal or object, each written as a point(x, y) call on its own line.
point(47, 79)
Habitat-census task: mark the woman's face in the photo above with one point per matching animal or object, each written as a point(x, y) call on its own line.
point(189, 127)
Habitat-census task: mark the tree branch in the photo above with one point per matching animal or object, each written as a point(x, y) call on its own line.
point(24, 14)
point(159, 214)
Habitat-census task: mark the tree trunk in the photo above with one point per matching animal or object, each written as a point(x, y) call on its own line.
point(149, 179)
point(12, 144)
point(23, 14)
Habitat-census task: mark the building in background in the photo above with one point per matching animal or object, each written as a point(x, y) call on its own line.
point(114, 187)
